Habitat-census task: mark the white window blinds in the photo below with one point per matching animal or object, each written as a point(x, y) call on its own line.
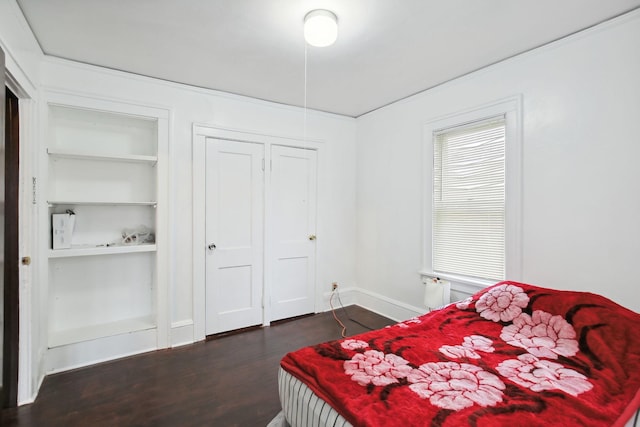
point(469, 200)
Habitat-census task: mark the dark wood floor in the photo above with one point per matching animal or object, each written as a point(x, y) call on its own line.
point(227, 381)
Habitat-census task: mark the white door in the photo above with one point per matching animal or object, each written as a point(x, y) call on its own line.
point(235, 230)
point(293, 241)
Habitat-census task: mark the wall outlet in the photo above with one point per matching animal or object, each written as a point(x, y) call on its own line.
point(334, 286)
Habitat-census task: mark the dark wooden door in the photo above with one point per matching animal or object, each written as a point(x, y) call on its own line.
point(9, 248)
point(2, 152)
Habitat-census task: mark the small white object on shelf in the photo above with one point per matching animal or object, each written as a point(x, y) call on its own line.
point(62, 230)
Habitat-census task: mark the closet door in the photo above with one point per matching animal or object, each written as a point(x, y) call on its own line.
point(293, 245)
point(235, 230)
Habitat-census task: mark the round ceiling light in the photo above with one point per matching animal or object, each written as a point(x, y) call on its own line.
point(320, 28)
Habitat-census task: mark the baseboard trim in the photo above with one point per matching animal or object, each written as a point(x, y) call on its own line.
point(388, 307)
point(182, 333)
point(372, 301)
point(32, 398)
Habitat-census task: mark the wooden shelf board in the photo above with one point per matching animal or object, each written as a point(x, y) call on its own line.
point(134, 158)
point(96, 202)
point(86, 250)
point(86, 333)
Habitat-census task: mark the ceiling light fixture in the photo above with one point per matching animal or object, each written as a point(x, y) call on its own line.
point(320, 28)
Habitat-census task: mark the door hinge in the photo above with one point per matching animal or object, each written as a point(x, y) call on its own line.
point(263, 164)
point(33, 190)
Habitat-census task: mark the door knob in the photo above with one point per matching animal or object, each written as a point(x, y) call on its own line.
point(212, 246)
point(312, 237)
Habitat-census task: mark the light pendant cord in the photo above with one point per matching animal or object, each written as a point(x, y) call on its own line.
point(304, 130)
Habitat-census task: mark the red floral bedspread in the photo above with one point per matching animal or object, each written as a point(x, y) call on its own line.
point(511, 355)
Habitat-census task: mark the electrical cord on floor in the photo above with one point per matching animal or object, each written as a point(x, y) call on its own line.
point(346, 313)
point(333, 311)
point(351, 318)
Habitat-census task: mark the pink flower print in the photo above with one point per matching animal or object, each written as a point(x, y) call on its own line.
point(464, 304)
point(407, 322)
point(377, 368)
point(452, 385)
point(502, 303)
point(458, 351)
point(352, 344)
point(478, 342)
point(542, 334)
point(538, 375)
point(469, 347)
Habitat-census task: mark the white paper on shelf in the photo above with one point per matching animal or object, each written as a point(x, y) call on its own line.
point(62, 230)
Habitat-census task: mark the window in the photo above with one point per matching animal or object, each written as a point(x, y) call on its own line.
point(472, 228)
point(469, 200)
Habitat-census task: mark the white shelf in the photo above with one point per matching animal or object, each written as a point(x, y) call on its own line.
point(133, 158)
point(98, 203)
point(106, 161)
point(76, 251)
point(85, 333)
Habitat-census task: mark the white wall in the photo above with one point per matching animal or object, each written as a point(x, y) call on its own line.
point(336, 211)
point(581, 196)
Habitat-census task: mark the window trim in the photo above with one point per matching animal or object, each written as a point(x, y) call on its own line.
point(511, 108)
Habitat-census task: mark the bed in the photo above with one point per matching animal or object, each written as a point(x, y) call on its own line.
point(512, 354)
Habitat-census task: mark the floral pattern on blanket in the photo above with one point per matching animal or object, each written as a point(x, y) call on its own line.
point(452, 385)
point(512, 348)
point(537, 375)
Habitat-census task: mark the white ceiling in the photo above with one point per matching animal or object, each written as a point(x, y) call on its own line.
point(386, 49)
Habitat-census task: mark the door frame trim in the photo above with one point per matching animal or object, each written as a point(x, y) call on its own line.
point(200, 133)
point(30, 372)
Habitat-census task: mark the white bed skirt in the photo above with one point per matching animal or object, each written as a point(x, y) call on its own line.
point(301, 407)
point(279, 421)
